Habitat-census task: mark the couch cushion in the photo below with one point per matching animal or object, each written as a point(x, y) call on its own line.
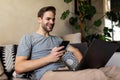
point(73, 38)
point(7, 55)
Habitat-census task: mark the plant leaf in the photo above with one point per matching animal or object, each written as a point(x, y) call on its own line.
point(98, 22)
point(65, 14)
point(73, 20)
point(77, 26)
point(67, 1)
point(110, 30)
point(107, 34)
point(112, 16)
point(90, 12)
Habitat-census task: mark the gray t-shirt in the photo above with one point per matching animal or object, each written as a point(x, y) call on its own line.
point(39, 46)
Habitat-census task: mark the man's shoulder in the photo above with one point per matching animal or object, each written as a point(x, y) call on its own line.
point(57, 37)
point(30, 34)
point(27, 36)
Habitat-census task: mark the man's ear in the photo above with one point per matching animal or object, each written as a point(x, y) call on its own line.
point(39, 19)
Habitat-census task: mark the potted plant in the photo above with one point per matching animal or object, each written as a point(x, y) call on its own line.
point(86, 11)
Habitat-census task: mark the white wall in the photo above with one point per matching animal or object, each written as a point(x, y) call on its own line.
point(18, 17)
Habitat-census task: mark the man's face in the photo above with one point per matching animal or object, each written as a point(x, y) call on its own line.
point(47, 21)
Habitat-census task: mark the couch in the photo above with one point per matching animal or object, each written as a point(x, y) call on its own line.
point(8, 53)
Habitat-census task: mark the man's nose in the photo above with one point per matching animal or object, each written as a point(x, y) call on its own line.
point(52, 21)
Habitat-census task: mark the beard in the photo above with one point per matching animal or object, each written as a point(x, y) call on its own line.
point(48, 27)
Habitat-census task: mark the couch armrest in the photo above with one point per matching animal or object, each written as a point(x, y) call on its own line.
point(114, 60)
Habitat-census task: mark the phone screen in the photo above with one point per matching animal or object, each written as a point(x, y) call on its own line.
point(64, 43)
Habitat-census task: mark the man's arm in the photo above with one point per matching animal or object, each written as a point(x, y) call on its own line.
point(22, 64)
point(76, 52)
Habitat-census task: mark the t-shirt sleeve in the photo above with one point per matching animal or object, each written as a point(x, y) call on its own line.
point(24, 46)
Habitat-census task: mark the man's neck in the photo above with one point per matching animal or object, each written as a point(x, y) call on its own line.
point(43, 33)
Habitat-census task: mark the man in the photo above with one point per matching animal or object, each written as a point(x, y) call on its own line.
point(39, 52)
point(42, 47)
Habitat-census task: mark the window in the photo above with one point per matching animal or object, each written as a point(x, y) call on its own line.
point(115, 26)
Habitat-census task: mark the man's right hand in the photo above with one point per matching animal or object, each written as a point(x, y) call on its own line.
point(56, 54)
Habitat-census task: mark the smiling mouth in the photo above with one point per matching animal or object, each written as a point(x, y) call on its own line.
point(50, 27)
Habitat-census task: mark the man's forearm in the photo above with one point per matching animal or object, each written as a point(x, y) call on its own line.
point(29, 65)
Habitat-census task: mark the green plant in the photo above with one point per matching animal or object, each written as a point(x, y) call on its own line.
point(86, 13)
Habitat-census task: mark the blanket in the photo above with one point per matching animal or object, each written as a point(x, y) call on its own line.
point(104, 73)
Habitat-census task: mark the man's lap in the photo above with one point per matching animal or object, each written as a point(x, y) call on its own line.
point(112, 72)
point(75, 75)
point(105, 73)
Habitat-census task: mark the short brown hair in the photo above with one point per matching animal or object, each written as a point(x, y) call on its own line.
point(45, 9)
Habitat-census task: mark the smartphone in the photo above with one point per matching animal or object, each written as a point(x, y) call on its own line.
point(64, 43)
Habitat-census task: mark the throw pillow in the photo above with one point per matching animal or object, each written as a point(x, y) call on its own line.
point(7, 54)
point(70, 60)
point(2, 74)
point(73, 38)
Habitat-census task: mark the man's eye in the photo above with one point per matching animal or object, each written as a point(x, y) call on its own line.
point(48, 18)
point(53, 20)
